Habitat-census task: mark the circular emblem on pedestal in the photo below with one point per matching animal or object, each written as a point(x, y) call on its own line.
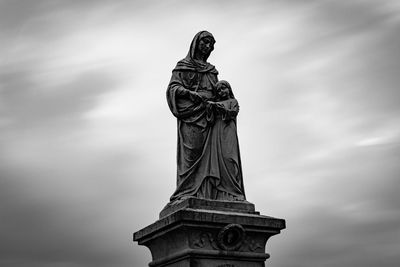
point(231, 237)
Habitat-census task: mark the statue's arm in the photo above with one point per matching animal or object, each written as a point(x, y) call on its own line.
point(235, 108)
point(231, 110)
point(176, 86)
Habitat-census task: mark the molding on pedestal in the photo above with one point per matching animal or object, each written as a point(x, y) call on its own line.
point(205, 204)
point(210, 254)
point(197, 234)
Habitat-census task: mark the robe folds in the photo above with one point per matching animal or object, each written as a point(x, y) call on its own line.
point(208, 158)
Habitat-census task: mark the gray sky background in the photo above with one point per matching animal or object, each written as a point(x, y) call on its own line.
point(87, 142)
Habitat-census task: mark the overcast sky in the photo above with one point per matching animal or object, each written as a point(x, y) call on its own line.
point(88, 144)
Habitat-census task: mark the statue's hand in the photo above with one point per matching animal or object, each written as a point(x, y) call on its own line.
point(220, 106)
point(195, 97)
point(233, 113)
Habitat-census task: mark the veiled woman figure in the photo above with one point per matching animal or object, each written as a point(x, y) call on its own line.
point(208, 164)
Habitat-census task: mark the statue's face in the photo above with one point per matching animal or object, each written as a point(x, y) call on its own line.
point(223, 91)
point(205, 45)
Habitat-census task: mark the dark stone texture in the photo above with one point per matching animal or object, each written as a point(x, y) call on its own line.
point(196, 236)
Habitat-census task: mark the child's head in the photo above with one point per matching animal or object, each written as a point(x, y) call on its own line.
point(224, 90)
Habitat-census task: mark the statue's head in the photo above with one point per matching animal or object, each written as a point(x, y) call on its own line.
point(224, 90)
point(202, 45)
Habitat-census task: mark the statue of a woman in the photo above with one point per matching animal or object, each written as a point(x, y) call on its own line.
point(208, 159)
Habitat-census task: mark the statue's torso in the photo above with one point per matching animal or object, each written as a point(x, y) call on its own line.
point(203, 83)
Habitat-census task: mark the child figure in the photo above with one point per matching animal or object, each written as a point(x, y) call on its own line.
point(227, 174)
point(226, 105)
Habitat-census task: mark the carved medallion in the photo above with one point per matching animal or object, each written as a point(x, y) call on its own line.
point(231, 237)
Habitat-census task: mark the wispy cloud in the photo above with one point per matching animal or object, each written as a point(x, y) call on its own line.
point(86, 136)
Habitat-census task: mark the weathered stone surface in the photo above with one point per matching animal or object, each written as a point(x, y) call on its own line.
point(197, 203)
point(201, 237)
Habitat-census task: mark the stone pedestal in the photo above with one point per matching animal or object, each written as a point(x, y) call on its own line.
point(205, 233)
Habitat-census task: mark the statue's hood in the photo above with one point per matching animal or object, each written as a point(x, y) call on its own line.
point(189, 63)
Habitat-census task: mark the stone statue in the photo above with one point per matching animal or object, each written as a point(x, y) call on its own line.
point(208, 158)
point(208, 221)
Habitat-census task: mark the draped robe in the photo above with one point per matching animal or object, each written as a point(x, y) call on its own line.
point(208, 158)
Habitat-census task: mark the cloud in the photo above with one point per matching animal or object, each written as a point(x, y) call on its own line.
point(86, 135)
point(27, 102)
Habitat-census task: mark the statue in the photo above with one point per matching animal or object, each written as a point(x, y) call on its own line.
point(208, 157)
point(208, 221)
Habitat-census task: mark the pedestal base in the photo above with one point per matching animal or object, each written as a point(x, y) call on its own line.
point(198, 234)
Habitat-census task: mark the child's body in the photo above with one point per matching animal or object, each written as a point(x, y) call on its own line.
point(225, 145)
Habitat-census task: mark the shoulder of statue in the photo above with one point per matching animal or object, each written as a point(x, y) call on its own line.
point(185, 65)
point(211, 68)
point(190, 65)
point(207, 68)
